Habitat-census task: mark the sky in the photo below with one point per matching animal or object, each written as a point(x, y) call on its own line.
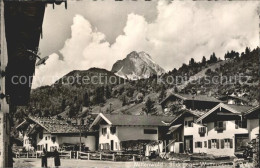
point(98, 33)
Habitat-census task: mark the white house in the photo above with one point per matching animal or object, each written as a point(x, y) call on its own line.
point(51, 133)
point(226, 129)
point(118, 131)
point(183, 131)
point(252, 116)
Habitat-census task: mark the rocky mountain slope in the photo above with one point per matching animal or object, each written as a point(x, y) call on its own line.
point(137, 66)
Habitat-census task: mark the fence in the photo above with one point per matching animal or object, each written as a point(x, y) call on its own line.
point(110, 157)
point(85, 155)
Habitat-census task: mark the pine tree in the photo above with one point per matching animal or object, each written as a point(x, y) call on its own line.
point(204, 61)
point(149, 108)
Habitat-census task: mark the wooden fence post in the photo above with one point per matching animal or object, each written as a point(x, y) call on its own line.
point(70, 154)
point(100, 156)
point(113, 157)
point(88, 156)
point(133, 157)
point(27, 154)
point(36, 155)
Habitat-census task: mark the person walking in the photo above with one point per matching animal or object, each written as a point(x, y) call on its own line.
point(56, 158)
point(44, 158)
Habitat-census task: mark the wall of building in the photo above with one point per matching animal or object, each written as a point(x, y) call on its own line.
point(229, 133)
point(47, 140)
point(88, 141)
point(253, 127)
point(125, 133)
point(199, 138)
point(27, 143)
point(108, 137)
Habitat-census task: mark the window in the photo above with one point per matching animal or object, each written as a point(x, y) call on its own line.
point(198, 144)
point(150, 131)
point(46, 138)
point(214, 143)
point(205, 144)
point(188, 123)
point(241, 124)
point(104, 131)
point(227, 143)
point(40, 135)
point(220, 126)
point(112, 130)
point(53, 139)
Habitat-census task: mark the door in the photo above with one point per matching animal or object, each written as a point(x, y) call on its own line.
point(188, 143)
point(112, 144)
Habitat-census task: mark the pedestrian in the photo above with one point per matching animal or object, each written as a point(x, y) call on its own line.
point(44, 158)
point(56, 158)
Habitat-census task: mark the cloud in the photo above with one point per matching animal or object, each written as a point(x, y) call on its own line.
point(181, 30)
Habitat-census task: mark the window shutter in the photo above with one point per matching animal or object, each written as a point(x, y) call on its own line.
point(215, 125)
point(231, 143)
point(185, 123)
point(222, 143)
point(224, 125)
point(196, 144)
point(217, 143)
point(209, 144)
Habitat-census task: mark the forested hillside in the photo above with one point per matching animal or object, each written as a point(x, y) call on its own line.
point(123, 95)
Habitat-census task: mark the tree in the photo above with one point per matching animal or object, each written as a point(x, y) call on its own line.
point(124, 101)
point(163, 93)
point(192, 62)
point(86, 100)
point(108, 92)
point(204, 61)
point(176, 109)
point(63, 105)
point(149, 108)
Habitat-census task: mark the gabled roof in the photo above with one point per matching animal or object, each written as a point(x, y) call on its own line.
point(236, 109)
point(234, 97)
point(192, 112)
point(53, 125)
point(133, 120)
point(192, 97)
point(254, 109)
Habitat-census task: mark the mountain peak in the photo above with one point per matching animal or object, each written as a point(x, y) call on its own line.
point(137, 65)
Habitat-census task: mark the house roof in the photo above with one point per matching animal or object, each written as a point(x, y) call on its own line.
point(133, 120)
point(236, 109)
point(192, 97)
point(173, 128)
point(196, 113)
point(252, 110)
point(53, 125)
point(234, 97)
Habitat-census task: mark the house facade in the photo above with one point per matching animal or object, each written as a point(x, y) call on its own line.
point(182, 133)
point(226, 129)
point(50, 133)
point(118, 131)
point(190, 102)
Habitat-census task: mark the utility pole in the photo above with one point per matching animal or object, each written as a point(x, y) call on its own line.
point(4, 107)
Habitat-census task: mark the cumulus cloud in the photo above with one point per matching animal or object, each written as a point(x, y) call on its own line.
point(181, 30)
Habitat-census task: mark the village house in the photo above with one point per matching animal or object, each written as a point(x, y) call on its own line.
point(226, 129)
point(188, 101)
point(115, 131)
point(183, 131)
point(231, 99)
point(51, 133)
point(253, 116)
